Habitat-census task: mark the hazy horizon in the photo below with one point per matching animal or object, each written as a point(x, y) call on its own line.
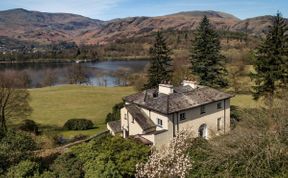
point(101, 10)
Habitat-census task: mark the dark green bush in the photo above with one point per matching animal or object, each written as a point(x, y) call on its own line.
point(25, 168)
point(78, 124)
point(115, 115)
point(109, 156)
point(15, 146)
point(67, 165)
point(2, 133)
point(29, 126)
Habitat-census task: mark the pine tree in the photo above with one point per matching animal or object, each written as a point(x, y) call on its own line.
point(161, 67)
point(207, 62)
point(271, 64)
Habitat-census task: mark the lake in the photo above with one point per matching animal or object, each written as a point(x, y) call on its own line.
point(102, 73)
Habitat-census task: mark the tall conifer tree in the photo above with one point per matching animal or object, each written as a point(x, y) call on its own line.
point(271, 64)
point(161, 67)
point(207, 62)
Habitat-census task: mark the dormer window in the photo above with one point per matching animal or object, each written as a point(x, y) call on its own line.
point(202, 109)
point(219, 105)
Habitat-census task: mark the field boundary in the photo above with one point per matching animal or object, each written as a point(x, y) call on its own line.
point(62, 149)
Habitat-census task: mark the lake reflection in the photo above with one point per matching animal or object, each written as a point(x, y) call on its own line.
point(104, 73)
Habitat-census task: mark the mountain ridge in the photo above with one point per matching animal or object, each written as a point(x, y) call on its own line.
point(45, 27)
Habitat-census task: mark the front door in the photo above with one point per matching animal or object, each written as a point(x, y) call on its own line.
point(203, 131)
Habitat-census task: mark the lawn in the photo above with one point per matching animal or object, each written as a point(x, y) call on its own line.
point(245, 101)
point(53, 106)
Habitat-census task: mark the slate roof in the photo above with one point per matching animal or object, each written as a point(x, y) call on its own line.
point(141, 118)
point(142, 139)
point(115, 126)
point(156, 132)
point(183, 98)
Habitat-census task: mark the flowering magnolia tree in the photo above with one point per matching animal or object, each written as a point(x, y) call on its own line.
point(169, 161)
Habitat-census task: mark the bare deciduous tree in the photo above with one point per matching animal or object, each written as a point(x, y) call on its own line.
point(235, 73)
point(14, 99)
point(181, 68)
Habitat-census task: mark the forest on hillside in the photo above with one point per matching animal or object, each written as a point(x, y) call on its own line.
point(130, 48)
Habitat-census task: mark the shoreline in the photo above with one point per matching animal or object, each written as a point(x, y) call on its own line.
point(128, 58)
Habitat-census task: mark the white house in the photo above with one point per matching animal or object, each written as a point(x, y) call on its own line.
point(156, 115)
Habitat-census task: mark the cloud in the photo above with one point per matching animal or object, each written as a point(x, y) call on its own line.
point(90, 8)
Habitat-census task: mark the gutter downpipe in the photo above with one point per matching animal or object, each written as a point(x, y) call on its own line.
point(224, 116)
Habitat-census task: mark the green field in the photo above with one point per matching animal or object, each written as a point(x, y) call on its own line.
point(53, 106)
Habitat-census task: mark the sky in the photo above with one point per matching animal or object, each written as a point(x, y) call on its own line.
point(110, 9)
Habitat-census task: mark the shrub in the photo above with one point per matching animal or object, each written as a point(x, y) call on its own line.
point(67, 165)
point(78, 124)
point(18, 140)
point(115, 115)
point(29, 126)
point(109, 156)
point(15, 147)
point(23, 169)
point(2, 133)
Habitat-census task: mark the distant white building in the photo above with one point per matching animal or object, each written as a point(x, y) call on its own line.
point(156, 115)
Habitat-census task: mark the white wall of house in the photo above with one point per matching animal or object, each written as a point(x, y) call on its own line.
point(124, 122)
point(150, 137)
point(110, 130)
point(163, 138)
point(167, 124)
point(155, 116)
point(129, 123)
point(194, 119)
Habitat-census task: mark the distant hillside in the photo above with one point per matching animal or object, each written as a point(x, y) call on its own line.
point(255, 26)
point(44, 27)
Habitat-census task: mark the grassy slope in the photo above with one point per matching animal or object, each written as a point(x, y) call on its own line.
point(54, 105)
point(245, 101)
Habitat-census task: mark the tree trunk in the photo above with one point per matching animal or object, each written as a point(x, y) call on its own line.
point(3, 121)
